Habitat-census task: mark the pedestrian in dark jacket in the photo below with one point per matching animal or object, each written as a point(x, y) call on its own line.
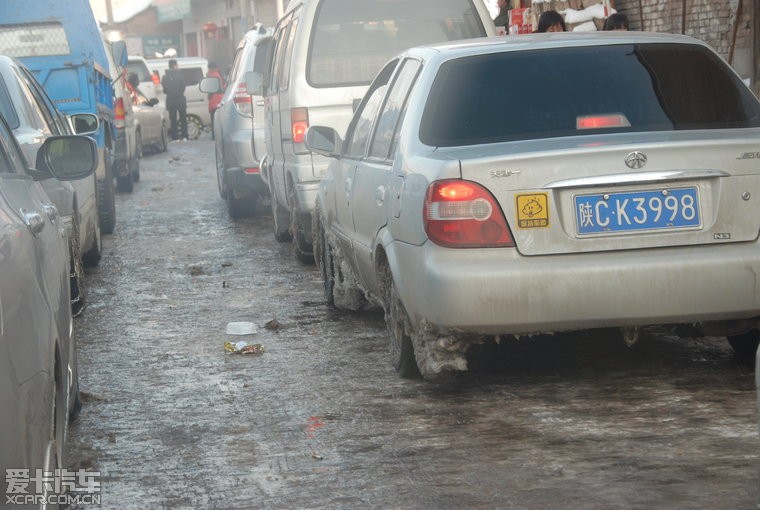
point(502, 19)
point(176, 104)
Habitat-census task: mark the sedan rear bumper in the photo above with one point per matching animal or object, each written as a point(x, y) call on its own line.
point(499, 291)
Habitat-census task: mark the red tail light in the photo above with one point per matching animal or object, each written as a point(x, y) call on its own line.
point(119, 114)
point(602, 121)
point(463, 214)
point(242, 100)
point(251, 170)
point(156, 78)
point(299, 122)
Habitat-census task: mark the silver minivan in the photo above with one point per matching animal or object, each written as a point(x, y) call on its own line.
point(325, 55)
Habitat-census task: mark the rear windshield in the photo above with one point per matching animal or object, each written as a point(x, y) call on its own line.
point(352, 40)
point(575, 91)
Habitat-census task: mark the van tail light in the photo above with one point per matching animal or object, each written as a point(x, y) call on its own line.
point(119, 114)
point(242, 100)
point(299, 123)
point(463, 214)
point(251, 170)
point(156, 78)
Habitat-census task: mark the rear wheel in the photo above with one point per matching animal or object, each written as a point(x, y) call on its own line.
point(302, 247)
point(745, 346)
point(280, 221)
point(106, 198)
point(399, 329)
point(194, 127)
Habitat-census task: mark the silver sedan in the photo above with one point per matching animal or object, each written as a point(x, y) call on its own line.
point(545, 183)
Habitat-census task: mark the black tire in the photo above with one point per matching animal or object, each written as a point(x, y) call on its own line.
point(323, 257)
point(397, 323)
point(124, 183)
point(91, 257)
point(106, 198)
point(76, 275)
point(194, 127)
point(745, 346)
point(302, 248)
point(240, 207)
point(280, 221)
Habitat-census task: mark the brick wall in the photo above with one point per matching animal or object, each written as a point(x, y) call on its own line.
point(711, 21)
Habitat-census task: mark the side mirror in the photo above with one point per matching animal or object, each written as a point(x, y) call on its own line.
point(324, 140)
point(119, 53)
point(153, 101)
point(67, 158)
point(254, 83)
point(210, 85)
point(84, 123)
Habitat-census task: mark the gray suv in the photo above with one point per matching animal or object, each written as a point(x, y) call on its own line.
point(239, 127)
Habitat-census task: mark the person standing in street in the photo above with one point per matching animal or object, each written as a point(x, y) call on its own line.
point(502, 19)
point(176, 104)
point(214, 99)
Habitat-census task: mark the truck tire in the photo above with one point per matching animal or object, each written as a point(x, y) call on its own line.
point(106, 199)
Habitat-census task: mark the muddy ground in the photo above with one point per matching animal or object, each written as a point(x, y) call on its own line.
point(320, 420)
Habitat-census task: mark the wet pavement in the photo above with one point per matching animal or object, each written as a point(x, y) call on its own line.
point(321, 420)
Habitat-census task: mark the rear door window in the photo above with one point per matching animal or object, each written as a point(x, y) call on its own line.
point(587, 90)
point(140, 69)
point(192, 75)
point(351, 40)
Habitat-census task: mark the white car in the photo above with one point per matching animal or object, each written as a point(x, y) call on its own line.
point(544, 183)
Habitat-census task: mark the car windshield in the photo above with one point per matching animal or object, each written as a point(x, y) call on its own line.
point(587, 90)
point(351, 40)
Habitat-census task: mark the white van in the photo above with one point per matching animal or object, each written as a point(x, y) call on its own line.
point(193, 69)
point(325, 55)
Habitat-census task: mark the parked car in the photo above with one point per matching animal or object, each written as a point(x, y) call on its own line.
point(325, 56)
point(150, 84)
point(39, 388)
point(33, 118)
point(239, 126)
point(193, 69)
point(127, 148)
point(153, 121)
point(536, 201)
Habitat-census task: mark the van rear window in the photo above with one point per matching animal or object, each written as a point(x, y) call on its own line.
point(33, 40)
point(586, 90)
point(351, 40)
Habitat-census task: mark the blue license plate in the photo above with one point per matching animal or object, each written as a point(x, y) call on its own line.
point(662, 209)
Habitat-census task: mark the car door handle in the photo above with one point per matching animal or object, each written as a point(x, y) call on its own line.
point(51, 211)
point(33, 220)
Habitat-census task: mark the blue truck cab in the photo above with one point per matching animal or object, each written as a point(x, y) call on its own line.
point(60, 42)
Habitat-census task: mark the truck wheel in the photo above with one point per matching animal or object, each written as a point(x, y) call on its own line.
point(106, 199)
point(194, 127)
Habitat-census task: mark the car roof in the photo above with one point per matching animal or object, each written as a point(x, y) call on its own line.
point(528, 42)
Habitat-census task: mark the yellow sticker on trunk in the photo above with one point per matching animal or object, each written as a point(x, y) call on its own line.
point(533, 210)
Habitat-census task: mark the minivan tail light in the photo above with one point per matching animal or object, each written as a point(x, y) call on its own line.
point(299, 123)
point(119, 114)
point(242, 100)
point(155, 78)
point(464, 214)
